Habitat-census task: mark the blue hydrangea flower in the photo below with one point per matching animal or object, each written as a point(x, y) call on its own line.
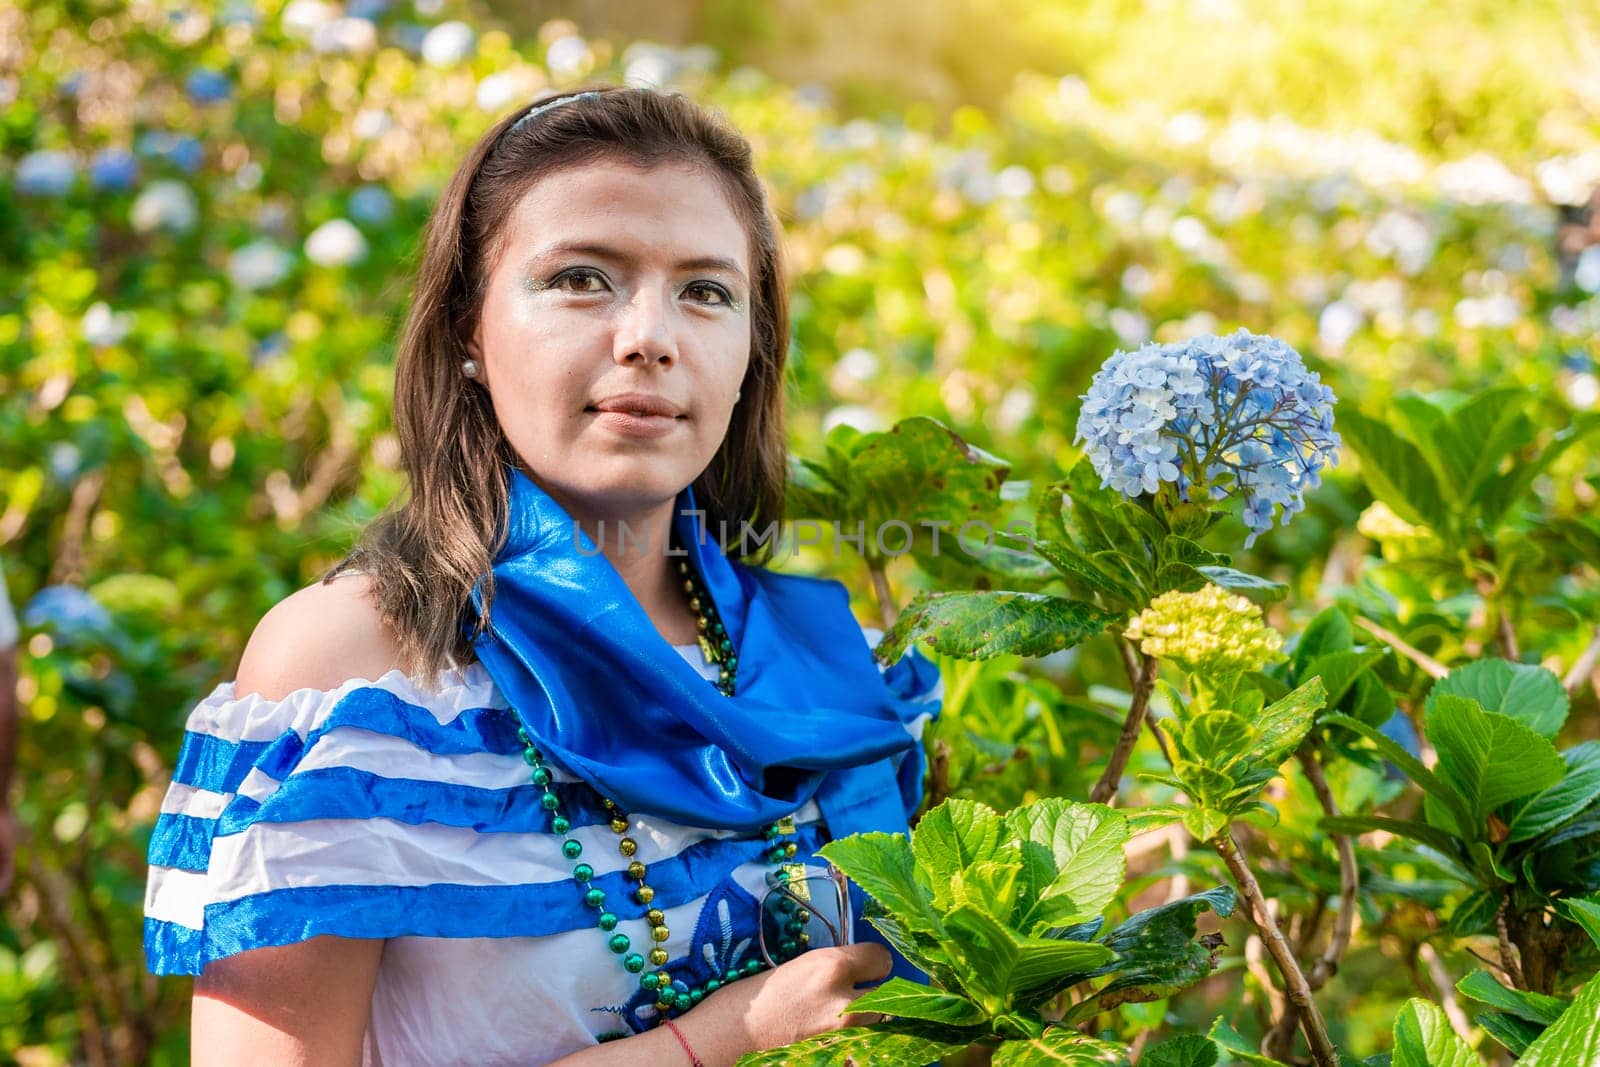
point(1214, 416)
point(371, 204)
point(48, 172)
point(68, 611)
point(114, 169)
point(180, 149)
point(208, 87)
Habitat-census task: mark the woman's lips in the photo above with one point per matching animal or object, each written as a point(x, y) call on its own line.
point(629, 425)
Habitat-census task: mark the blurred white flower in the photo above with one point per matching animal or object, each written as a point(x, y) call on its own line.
point(336, 243)
point(1481, 179)
point(647, 66)
point(103, 327)
point(1403, 238)
point(1014, 182)
point(862, 418)
point(568, 57)
point(448, 43)
point(1186, 128)
point(496, 91)
point(855, 368)
point(165, 205)
point(1137, 281)
point(48, 172)
point(259, 265)
point(371, 122)
point(1582, 390)
point(348, 35)
point(1586, 275)
point(1569, 180)
point(1131, 327)
point(1338, 323)
point(1013, 410)
point(301, 18)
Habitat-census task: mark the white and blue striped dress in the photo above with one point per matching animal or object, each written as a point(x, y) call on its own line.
point(378, 809)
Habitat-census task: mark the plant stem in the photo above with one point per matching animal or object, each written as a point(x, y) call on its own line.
point(880, 589)
point(1142, 673)
point(1445, 990)
point(1430, 666)
point(1349, 884)
point(1583, 667)
point(1299, 993)
point(1508, 956)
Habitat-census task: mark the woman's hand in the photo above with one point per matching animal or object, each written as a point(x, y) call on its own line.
point(802, 997)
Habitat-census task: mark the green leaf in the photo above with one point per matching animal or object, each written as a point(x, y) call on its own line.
point(1158, 953)
point(1006, 966)
point(1474, 914)
point(1407, 763)
point(954, 836)
point(1084, 843)
point(1419, 832)
point(1500, 494)
point(1329, 631)
point(1080, 570)
point(1241, 582)
point(985, 624)
point(1284, 723)
point(1585, 911)
point(1060, 1047)
point(1488, 758)
point(1339, 671)
point(908, 1000)
point(1185, 1050)
point(1396, 471)
point(1473, 440)
point(1572, 1040)
point(1524, 691)
point(886, 1045)
point(1481, 986)
point(1234, 1043)
point(1577, 790)
point(882, 864)
point(1514, 1033)
point(1423, 1038)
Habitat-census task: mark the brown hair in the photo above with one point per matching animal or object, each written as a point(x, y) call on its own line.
point(425, 555)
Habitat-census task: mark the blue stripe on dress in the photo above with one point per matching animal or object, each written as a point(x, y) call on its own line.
point(283, 916)
point(207, 761)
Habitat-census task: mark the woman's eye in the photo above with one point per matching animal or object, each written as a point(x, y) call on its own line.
point(708, 293)
point(580, 280)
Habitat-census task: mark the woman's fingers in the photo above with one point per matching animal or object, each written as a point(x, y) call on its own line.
point(867, 962)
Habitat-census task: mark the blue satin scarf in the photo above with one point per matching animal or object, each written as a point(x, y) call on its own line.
point(608, 699)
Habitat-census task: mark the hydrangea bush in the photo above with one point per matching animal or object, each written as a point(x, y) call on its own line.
point(1214, 417)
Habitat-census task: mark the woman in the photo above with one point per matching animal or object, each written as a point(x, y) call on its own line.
point(526, 772)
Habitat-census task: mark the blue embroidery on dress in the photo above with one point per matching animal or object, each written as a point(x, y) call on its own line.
point(724, 937)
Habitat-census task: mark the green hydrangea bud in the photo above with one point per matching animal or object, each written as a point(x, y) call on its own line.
point(1208, 632)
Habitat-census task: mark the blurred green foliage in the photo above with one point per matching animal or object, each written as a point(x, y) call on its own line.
point(207, 214)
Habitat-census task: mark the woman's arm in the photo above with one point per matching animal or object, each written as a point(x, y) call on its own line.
point(300, 1004)
point(307, 1002)
point(803, 997)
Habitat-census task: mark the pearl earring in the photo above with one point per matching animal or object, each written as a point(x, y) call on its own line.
point(469, 368)
point(737, 395)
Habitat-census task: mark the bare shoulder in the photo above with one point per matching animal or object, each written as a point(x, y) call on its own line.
point(318, 638)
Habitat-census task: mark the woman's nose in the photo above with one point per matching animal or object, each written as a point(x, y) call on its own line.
point(644, 331)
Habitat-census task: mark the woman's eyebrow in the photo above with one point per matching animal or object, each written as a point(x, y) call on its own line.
point(616, 255)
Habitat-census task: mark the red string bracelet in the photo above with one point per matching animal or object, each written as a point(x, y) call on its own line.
point(694, 1060)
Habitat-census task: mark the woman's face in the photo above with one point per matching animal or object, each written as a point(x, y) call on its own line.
point(615, 280)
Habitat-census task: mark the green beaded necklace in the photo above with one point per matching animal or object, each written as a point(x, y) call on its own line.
point(670, 995)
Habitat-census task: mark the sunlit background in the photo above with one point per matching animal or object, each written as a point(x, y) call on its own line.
point(208, 213)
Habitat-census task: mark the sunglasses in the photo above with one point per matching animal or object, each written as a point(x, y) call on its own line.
point(804, 907)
